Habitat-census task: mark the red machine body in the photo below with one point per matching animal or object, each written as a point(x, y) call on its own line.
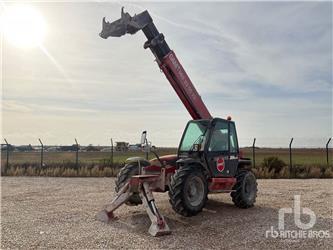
point(209, 163)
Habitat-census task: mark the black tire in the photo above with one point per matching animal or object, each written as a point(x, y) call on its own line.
point(182, 200)
point(246, 188)
point(124, 175)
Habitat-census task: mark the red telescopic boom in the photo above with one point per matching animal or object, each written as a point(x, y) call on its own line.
point(184, 88)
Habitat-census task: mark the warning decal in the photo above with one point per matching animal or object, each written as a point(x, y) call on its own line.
point(220, 164)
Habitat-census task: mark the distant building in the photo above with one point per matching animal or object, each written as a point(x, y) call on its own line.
point(121, 146)
point(91, 148)
point(24, 148)
point(68, 148)
point(107, 149)
point(52, 149)
point(4, 147)
point(134, 147)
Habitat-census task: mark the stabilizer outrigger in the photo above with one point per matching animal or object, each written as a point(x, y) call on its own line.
point(142, 184)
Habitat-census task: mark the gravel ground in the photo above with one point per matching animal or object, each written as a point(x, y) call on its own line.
point(59, 213)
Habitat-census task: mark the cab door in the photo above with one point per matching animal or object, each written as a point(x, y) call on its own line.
point(233, 149)
point(221, 161)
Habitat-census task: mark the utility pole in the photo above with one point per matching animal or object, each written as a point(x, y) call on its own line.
point(327, 158)
point(41, 153)
point(290, 156)
point(77, 154)
point(7, 156)
point(254, 152)
point(111, 153)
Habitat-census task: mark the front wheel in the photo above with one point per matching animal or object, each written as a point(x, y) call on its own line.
point(245, 189)
point(188, 190)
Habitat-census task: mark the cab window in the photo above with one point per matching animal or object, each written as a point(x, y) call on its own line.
point(233, 139)
point(219, 139)
point(195, 133)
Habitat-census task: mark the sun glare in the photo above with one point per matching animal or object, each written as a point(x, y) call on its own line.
point(23, 26)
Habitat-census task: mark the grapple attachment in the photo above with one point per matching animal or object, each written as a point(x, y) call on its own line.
point(125, 24)
point(140, 184)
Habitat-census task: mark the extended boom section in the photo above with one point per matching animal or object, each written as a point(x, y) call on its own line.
point(165, 58)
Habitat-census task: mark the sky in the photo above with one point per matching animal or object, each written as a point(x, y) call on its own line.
point(267, 65)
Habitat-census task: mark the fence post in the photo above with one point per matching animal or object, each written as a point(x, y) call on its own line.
point(327, 158)
point(41, 153)
point(254, 152)
point(111, 153)
point(290, 156)
point(7, 156)
point(77, 154)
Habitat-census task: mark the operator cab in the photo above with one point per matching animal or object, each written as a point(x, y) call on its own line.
point(214, 143)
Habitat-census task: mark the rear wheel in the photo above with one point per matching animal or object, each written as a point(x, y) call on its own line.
point(188, 190)
point(124, 175)
point(245, 189)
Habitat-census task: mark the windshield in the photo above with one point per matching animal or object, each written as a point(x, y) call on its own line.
point(195, 133)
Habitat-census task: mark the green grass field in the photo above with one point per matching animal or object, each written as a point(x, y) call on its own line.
point(85, 157)
point(300, 156)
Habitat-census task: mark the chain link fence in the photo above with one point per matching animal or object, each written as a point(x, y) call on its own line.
point(77, 160)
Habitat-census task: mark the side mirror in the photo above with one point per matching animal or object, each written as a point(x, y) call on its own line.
point(147, 147)
point(143, 137)
point(196, 147)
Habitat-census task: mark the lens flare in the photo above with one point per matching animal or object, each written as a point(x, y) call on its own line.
point(23, 26)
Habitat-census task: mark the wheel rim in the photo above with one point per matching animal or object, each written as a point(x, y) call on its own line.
point(195, 190)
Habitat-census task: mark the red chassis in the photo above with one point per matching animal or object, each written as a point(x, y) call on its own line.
point(165, 173)
point(155, 178)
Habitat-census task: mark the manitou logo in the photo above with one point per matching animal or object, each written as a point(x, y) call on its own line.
point(297, 211)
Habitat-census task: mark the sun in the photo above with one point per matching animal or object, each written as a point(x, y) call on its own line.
point(23, 26)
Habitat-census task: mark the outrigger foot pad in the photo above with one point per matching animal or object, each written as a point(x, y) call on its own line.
point(104, 216)
point(159, 230)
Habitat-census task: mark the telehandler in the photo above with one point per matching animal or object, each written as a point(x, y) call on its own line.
point(208, 158)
